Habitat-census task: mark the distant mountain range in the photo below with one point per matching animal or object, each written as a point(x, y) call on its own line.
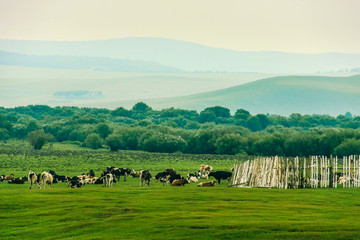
point(278, 95)
point(81, 62)
point(190, 57)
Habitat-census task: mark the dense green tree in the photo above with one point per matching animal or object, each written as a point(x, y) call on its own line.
point(103, 130)
point(160, 142)
point(121, 112)
point(39, 138)
point(141, 107)
point(93, 140)
point(349, 147)
point(207, 116)
point(219, 111)
point(254, 124)
point(115, 142)
point(230, 144)
point(4, 134)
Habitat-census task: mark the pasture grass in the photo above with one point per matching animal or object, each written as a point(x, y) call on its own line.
point(128, 211)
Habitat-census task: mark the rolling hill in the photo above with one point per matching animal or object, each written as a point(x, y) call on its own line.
point(278, 95)
point(82, 62)
point(188, 56)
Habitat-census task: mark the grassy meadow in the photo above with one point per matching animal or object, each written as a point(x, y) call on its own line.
point(128, 211)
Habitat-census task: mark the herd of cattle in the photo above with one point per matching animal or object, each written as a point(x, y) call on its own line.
point(112, 175)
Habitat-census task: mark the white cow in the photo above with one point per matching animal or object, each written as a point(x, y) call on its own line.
point(45, 178)
point(33, 179)
point(108, 180)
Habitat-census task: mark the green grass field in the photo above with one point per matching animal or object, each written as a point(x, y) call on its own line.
point(128, 211)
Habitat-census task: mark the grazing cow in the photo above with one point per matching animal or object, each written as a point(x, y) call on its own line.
point(108, 180)
point(19, 180)
point(179, 182)
point(207, 184)
point(135, 174)
point(45, 178)
point(74, 182)
point(58, 178)
point(117, 172)
point(33, 178)
point(218, 175)
point(91, 173)
point(170, 170)
point(145, 175)
point(343, 180)
point(61, 178)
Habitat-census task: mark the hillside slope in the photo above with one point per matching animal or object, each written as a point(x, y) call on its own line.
point(279, 95)
point(82, 62)
point(189, 56)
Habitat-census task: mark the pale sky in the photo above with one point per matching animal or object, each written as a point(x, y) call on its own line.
point(302, 26)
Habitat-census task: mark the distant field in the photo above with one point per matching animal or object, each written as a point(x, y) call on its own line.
point(25, 86)
point(128, 211)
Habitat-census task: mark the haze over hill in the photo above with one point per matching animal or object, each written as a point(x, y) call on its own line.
point(188, 56)
point(82, 62)
point(278, 95)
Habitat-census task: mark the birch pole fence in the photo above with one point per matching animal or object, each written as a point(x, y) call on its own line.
point(312, 172)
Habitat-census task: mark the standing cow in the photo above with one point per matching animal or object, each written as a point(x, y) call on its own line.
point(33, 179)
point(145, 175)
point(45, 178)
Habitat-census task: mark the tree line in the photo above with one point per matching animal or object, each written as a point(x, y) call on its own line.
point(212, 131)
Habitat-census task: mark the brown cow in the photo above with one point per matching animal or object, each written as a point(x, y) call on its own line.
point(7, 178)
point(179, 182)
point(207, 184)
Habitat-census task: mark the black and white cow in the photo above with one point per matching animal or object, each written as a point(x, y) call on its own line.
point(33, 179)
point(108, 180)
point(19, 180)
point(74, 182)
point(219, 175)
point(58, 178)
point(167, 177)
point(145, 175)
point(118, 172)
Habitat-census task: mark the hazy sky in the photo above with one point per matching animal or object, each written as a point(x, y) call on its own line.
point(310, 26)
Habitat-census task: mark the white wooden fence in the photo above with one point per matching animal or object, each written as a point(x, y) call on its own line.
point(312, 172)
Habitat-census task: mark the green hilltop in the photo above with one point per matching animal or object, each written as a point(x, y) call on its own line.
point(279, 95)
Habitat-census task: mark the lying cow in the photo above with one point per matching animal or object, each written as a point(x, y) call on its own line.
point(179, 182)
point(192, 179)
point(167, 177)
point(203, 175)
point(74, 182)
point(145, 175)
point(7, 178)
point(207, 184)
point(219, 175)
point(19, 180)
